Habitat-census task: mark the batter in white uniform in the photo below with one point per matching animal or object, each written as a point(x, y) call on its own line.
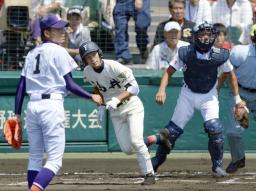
point(119, 88)
point(46, 78)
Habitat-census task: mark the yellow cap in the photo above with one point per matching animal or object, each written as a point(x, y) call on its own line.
point(253, 31)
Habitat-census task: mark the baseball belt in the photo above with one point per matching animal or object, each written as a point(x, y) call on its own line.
point(34, 97)
point(247, 89)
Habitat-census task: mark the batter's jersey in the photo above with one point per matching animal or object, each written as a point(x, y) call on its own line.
point(177, 63)
point(45, 67)
point(243, 58)
point(111, 81)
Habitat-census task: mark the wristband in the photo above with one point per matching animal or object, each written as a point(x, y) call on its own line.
point(237, 99)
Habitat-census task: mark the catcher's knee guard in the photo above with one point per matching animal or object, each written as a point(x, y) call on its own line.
point(174, 132)
point(215, 131)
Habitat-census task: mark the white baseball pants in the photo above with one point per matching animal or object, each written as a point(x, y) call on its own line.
point(46, 133)
point(128, 121)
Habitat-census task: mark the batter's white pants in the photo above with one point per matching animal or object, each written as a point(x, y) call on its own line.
point(189, 101)
point(46, 133)
point(128, 121)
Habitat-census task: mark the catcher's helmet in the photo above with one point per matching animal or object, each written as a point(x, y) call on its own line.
point(88, 47)
point(201, 44)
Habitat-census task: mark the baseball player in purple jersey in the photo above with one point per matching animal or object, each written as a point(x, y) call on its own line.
point(119, 88)
point(200, 62)
point(46, 78)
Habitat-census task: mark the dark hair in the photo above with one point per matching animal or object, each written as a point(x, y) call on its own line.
point(219, 27)
point(171, 3)
point(43, 37)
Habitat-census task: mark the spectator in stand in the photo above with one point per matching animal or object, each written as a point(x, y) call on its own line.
point(211, 2)
point(234, 14)
point(253, 3)
point(245, 36)
point(177, 11)
point(77, 33)
point(198, 11)
point(107, 12)
point(2, 38)
point(140, 11)
point(164, 52)
point(41, 9)
point(221, 36)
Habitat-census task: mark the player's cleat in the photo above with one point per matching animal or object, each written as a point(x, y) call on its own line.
point(219, 172)
point(149, 179)
point(233, 166)
point(164, 140)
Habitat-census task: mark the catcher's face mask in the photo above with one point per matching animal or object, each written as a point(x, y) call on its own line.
point(205, 36)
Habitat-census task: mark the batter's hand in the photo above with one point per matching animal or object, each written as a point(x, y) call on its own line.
point(160, 97)
point(112, 104)
point(96, 98)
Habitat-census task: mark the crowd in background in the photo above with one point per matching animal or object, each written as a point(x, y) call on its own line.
point(237, 16)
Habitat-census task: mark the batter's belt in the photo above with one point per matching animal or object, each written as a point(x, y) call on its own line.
point(124, 102)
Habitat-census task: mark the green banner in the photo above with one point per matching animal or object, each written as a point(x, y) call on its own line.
point(81, 119)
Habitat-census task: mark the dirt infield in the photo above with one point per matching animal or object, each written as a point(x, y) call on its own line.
point(118, 172)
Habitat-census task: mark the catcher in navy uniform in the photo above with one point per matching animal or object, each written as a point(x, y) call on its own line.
point(200, 62)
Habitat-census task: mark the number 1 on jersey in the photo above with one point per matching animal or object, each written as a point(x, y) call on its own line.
point(37, 71)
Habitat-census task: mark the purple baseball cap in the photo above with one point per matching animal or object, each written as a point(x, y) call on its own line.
point(52, 21)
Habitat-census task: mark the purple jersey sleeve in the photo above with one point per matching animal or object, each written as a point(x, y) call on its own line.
point(20, 93)
point(74, 88)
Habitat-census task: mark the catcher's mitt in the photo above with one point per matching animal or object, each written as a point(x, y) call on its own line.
point(242, 114)
point(12, 132)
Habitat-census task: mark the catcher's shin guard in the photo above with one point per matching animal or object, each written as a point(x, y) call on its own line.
point(160, 157)
point(174, 132)
point(164, 140)
point(215, 132)
point(161, 153)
